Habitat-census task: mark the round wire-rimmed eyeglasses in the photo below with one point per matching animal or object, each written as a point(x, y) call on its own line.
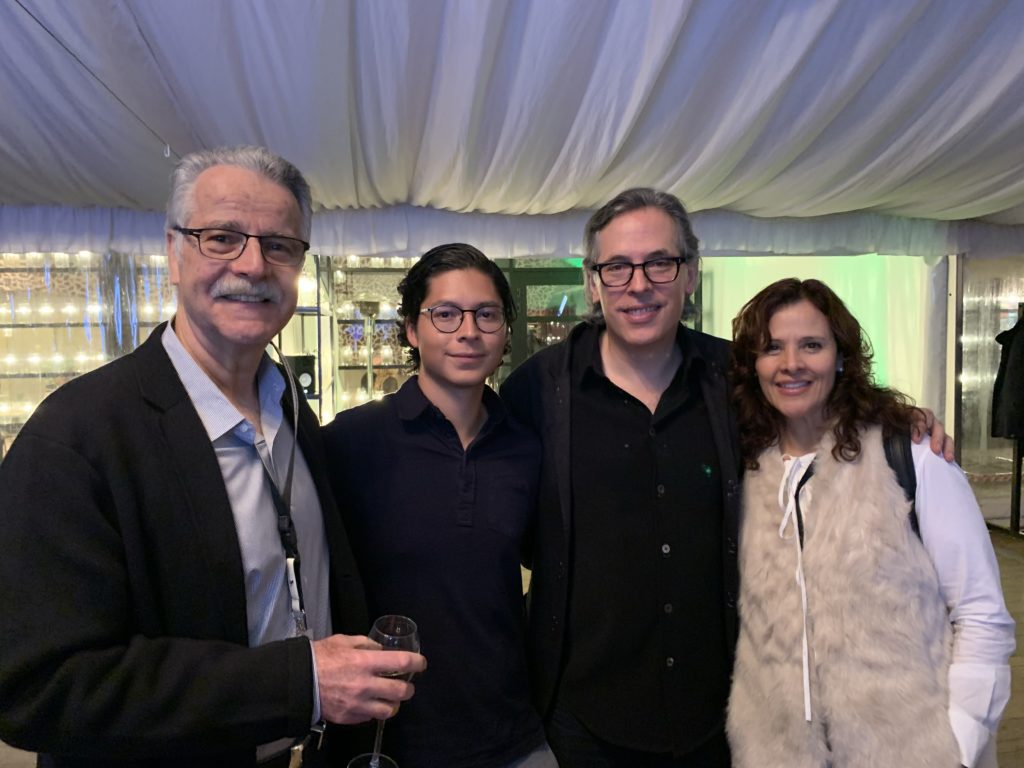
point(447, 318)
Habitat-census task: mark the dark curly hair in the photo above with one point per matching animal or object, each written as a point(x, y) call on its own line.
point(855, 400)
point(444, 258)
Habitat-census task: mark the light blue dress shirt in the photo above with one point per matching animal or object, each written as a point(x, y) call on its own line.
point(242, 453)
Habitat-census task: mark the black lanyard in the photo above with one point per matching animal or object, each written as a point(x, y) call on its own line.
point(290, 544)
point(285, 524)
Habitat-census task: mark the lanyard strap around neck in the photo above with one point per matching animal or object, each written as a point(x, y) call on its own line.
point(282, 508)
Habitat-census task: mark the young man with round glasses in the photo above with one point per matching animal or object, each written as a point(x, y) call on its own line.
point(438, 487)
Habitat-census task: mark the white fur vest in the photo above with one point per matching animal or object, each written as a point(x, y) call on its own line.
point(878, 631)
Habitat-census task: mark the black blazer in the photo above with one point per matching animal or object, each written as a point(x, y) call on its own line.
point(538, 394)
point(123, 625)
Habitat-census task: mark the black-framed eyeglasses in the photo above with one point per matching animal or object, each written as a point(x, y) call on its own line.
point(615, 274)
point(228, 245)
point(447, 318)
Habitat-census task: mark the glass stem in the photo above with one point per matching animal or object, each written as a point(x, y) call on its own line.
point(375, 759)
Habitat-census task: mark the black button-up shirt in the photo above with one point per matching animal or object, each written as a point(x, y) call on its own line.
point(437, 531)
point(646, 664)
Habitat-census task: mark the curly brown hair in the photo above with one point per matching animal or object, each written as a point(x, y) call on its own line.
point(855, 400)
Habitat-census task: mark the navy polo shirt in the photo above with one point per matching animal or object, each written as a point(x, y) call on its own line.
point(437, 531)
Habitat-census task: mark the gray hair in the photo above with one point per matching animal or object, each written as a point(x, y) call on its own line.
point(635, 199)
point(260, 160)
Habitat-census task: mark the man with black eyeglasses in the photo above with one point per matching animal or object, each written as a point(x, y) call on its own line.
point(177, 588)
point(633, 588)
point(438, 488)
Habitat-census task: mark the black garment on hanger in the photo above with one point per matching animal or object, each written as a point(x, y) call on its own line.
point(1008, 394)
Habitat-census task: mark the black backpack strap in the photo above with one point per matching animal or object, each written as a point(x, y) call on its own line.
point(901, 459)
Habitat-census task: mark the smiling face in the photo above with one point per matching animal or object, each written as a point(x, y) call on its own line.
point(797, 371)
point(231, 309)
point(463, 359)
point(641, 314)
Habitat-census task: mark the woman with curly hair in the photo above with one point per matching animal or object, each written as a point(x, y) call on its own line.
point(863, 641)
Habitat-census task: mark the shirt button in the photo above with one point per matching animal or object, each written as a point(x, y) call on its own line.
point(666, 550)
point(652, 432)
point(670, 662)
point(661, 490)
point(668, 607)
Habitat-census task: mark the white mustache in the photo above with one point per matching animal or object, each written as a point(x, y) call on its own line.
point(232, 285)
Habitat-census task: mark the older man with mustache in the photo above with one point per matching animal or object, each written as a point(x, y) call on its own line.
point(176, 569)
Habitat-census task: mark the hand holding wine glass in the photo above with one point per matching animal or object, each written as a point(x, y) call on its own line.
point(393, 633)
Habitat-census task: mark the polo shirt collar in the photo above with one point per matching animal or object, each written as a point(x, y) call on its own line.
point(412, 404)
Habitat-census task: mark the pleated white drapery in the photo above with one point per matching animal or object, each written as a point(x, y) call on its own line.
point(826, 126)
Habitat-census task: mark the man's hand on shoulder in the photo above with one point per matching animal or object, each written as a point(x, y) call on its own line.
point(923, 421)
point(359, 682)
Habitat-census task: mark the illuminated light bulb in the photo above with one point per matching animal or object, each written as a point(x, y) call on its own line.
point(46, 310)
point(10, 359)
point(81, 357)
point(148, 310)
point(4, 408)
point(33, 359)
point(352, 260)
point(57, 358)
point(93, 309)
point(27, 407)
point(24, 309)
point(69, 309)
point(100, 357)
point(84, 256)
point(157, 259)
point(168, 309)
point(398, 262)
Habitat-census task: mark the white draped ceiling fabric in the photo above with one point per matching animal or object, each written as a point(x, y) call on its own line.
point(787, 126)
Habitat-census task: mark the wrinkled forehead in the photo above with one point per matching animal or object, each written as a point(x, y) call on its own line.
point(226, 194)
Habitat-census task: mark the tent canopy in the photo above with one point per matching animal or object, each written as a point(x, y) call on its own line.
point(792, 126)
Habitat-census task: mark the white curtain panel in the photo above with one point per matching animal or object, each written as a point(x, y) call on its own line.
point(810, 125)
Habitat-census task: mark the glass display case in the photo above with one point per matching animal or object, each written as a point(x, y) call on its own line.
point(368, 358)
point(307, 341)
point(66, 313)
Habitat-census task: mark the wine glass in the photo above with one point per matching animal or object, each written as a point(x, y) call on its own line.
point(394, 633)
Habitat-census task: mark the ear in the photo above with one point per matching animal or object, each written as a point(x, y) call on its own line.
point(590, 280)
point(690, 276)
point(410, 333)
point(173, 258)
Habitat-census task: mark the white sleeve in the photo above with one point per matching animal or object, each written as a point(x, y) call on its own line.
point(954, 534)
